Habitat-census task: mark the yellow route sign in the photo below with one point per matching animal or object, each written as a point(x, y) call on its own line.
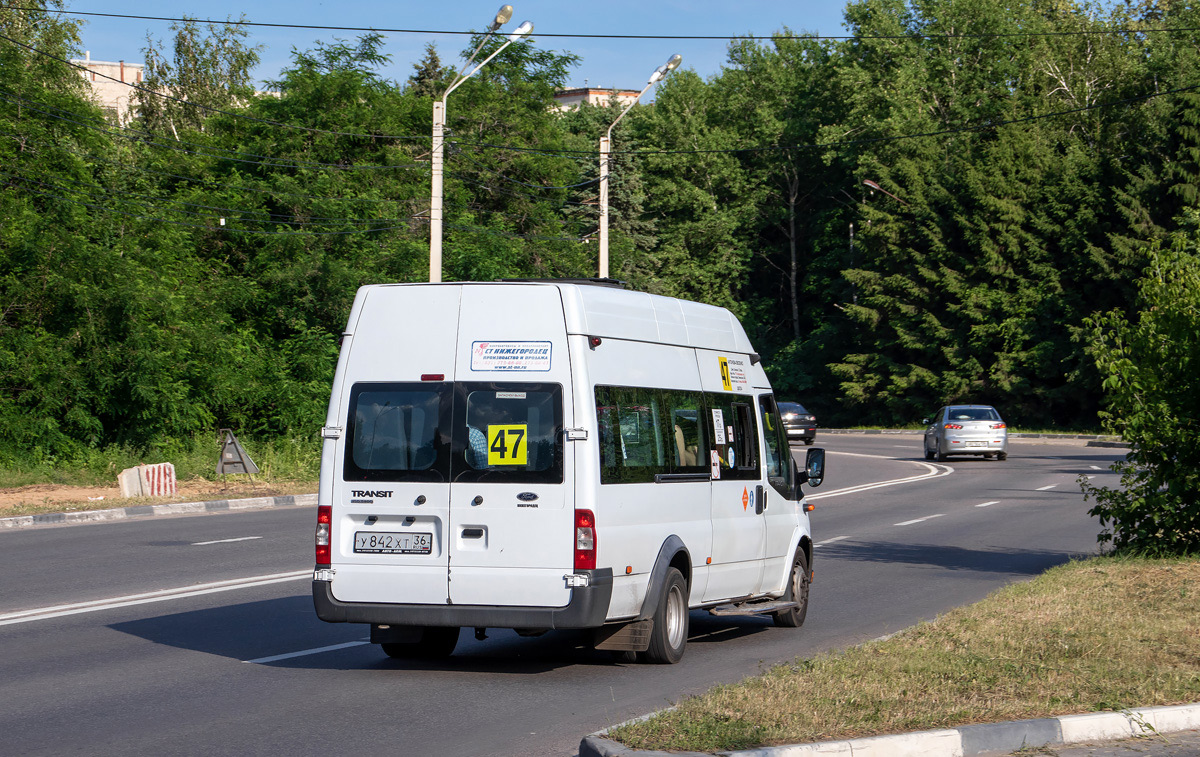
point(725, 377)
point(508, 445)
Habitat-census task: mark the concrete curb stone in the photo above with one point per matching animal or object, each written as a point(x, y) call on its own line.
point(141, 511)
point(964, 741)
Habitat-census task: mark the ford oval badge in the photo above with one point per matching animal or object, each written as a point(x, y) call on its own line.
point(527, 496)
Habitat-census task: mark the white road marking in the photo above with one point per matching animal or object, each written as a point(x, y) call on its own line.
point(989, 504)
point(1046, 488)
point(934, 471)
point(224, 541)
point(1095, 467)
point(829, 541)
point(919, 520)
point(58, 611)
point(318, 650)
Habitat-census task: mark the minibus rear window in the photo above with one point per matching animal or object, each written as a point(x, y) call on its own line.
point(395, 432)
point(508, 433)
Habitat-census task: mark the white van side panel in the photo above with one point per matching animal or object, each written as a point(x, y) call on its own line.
point(617, 314)
point(633, 520)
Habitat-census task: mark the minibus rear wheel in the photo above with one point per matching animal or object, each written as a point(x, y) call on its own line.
point(435, 643)
point(669, 636)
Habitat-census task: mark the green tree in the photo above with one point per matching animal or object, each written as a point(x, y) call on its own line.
point(206, 72)
point(1151, 369)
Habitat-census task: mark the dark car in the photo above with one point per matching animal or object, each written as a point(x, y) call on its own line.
point(800, 424)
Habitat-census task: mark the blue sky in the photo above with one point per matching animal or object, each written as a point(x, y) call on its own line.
point(606, 62)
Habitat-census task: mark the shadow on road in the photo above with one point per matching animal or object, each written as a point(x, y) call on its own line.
point(1007, 561)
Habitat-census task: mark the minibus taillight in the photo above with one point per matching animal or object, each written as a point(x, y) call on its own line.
point(324, 531)
point(585, 540)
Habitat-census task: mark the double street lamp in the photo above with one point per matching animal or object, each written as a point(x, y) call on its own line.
point(605, 147)
point(439, 131)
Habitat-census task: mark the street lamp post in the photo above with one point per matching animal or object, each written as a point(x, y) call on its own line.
point(605, 147)
point(439, 144)
point(873, 185)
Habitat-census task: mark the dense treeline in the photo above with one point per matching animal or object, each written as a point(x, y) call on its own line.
point(194, 268)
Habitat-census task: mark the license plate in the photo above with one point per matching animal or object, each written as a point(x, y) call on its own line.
point(976, 444)
point(385, 543)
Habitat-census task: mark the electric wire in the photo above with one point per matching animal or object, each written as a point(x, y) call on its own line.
point(698, 37)
point(210, 109)
point(205, 151)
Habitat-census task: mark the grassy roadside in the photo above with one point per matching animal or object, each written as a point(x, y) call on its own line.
point(1101, 634)
point(31, 484)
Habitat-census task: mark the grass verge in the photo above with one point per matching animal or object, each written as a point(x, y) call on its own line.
point(87, 480)
point(1102, 634)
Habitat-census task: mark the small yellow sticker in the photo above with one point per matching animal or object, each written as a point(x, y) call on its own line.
point(508, 445)
point(725, 377)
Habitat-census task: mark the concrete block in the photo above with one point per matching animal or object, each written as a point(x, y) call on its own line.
point(1097, 726)
point(1181, 717)
point(1010, 737)
point(919, 744)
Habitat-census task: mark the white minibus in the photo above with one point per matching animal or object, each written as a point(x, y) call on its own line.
point(540, 455)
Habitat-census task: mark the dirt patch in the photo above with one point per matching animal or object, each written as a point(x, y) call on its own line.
point(54, 498)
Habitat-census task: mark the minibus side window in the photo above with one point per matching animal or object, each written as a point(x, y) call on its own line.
point(778, 453)
point(633, 442)
point(395, 432)
point(687, 432)
point(734, 434)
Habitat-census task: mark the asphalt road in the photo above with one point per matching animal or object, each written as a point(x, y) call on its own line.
point(182, 654)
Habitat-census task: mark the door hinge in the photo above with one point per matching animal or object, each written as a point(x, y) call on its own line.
point(577, 434)
point(331, 432)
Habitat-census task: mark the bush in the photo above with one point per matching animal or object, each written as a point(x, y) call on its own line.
point(1151, 371)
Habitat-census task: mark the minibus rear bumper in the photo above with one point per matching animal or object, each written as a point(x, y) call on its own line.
point(587, 609)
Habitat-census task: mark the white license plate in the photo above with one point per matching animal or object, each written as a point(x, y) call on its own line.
point(385, 543)
point(976, 444)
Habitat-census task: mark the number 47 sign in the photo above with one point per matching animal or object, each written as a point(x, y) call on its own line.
point(508, 445)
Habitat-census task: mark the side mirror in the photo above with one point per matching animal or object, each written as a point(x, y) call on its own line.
point(813, 473)
point(814, 466)
point(924, 421)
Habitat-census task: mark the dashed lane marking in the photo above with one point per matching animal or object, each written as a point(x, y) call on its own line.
point(829, 541)
point(306, 652)
point(918, 520)
point(1046, 488)
point(224, 541)
point(989, 504)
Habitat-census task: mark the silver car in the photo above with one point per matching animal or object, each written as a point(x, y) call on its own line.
point(966, 430)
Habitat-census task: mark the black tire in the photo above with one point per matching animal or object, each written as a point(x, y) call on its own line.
point(436, 643)
point(928, 454)
point(797, 591)
point(940, 456)
point(669, 637)
point(1001, 455)
point(809, 441)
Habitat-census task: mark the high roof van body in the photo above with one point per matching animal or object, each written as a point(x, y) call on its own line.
point(544, 455)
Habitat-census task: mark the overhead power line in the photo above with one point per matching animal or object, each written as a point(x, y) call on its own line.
point(576, 35)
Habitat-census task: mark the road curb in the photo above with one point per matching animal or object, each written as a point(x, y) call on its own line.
point(142, 511)
point(964, 741)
